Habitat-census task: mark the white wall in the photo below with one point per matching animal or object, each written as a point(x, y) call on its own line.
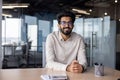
point(0, 34)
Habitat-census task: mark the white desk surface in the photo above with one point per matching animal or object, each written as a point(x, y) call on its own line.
point(35, 73)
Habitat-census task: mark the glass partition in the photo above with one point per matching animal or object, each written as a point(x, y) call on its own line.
point(32, 24)
point(11, 30)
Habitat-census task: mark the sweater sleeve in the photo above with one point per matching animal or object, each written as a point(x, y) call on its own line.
point(82, 55)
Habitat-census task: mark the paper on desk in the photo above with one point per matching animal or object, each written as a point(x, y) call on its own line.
point(54, 77)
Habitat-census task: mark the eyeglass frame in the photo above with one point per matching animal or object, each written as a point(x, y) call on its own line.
point(63, 23)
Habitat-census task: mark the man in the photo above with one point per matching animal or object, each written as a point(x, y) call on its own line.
point(65, 50)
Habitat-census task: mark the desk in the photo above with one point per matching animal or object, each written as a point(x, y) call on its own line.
point(8, 49)
point(34, 74)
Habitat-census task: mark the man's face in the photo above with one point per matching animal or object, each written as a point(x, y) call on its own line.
point(66, 25)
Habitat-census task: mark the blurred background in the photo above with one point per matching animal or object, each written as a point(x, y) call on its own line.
point(26, 24)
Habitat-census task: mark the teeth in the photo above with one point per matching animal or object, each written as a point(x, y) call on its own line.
point(66, 29)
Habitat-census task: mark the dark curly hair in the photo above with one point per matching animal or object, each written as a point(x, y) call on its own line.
point(65, 14)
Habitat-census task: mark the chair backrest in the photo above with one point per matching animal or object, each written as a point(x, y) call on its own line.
point(29, 44)
point(8, 49)
point(26, 47)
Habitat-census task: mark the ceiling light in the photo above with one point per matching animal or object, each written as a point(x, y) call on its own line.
point(81, 11)
point(7, 7)
point(90, 10)
point(77, 16)
point(14, 5)
point(7, 15)
point(119, 19)
point(105, 13)
point(116, 1)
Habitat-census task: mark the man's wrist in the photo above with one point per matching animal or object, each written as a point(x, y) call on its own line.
point(82, 68)
point(67, 68)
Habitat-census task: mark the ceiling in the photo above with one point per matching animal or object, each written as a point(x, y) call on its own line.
point(55, 6)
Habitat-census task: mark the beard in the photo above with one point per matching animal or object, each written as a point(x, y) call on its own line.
point(66, 31)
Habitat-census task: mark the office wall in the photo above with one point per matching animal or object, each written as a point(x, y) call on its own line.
point(47, 17)
point(0, 34)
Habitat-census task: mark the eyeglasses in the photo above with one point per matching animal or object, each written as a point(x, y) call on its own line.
point(66, 23)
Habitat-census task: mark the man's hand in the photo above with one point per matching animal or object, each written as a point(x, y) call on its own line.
point(75, 67)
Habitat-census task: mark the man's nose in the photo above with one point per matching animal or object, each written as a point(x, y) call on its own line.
point(66, 24)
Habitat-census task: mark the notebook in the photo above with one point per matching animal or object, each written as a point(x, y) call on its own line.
point(54, 77)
